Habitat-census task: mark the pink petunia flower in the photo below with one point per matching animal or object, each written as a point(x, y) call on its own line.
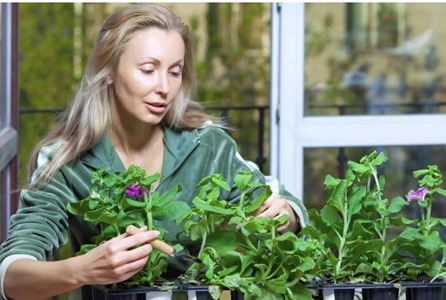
point(417, 195)
point(135, 191)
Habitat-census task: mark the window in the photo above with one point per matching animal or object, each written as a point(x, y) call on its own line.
point(348, 78)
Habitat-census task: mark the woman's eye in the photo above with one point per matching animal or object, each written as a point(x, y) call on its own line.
point(145, 71)
point(176, 74)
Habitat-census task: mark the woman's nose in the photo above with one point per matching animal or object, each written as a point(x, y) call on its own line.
point(163, 85)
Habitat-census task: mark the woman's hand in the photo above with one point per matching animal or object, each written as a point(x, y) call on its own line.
point(117, 259)
point(275, 207)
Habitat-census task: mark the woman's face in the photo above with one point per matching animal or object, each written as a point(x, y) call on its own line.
point(148, 76)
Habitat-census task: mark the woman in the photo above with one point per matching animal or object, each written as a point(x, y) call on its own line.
point(133, 107)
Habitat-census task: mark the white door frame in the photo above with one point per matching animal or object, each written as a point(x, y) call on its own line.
point(292, 132)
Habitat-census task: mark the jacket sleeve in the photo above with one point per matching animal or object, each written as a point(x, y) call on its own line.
point(39, 227)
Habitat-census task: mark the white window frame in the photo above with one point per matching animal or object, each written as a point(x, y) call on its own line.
point(9, 121)
point(292, 132)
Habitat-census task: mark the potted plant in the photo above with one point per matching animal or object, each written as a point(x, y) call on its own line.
point(242, 252)
point(358, 240)
point(426, 248)
point(119, 200)
point(367, 242)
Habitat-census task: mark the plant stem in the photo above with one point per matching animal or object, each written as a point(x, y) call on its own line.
point(204, 238)
point(428, 218)
point(242, 204)
point(273, 239)
point(293, 282)
point(249, 243)
point(383, 233)
point(342, 239)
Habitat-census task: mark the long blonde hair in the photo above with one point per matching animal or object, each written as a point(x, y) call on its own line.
point(81, 126)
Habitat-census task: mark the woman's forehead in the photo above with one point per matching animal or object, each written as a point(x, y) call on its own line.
point(155, 43)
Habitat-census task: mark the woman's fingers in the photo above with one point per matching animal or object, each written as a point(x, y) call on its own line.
point(119, 258)
point(275, 207)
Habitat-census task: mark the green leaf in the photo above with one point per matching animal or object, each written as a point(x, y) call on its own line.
point(299, 291)
point(147, 181)
point(166, 198)
point(80, 207)
point(396, 205)
point(355, 200)
point(338, 197)
point(242, 180)
point(171, 211)
point(357, 167)
point(254, 205)
point(330, 215)
point(432, 242)
point(200, 204)
point(101, 215)
point(223, 241)
point(330, 182)
point(409, 234)
point(129, 202)
point(219, 181)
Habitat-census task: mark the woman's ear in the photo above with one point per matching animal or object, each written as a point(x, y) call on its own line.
point(109, 80)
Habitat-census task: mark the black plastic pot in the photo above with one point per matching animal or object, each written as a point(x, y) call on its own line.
point(340, 292)
point(98, 292)
point(425, 293)
point(380, 293)
point(344, 294)
point(375, 291)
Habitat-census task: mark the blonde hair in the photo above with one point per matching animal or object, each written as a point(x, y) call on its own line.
point(82, 125)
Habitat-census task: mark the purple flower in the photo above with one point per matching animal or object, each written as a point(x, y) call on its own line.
point(135, 191)
point(417, 195)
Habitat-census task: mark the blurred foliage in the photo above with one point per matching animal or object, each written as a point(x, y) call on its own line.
point(236, 68)
point(45, 68)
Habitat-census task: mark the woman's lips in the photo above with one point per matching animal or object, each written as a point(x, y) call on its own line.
point(156, 107)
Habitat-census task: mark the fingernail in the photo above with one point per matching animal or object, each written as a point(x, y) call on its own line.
point(156, 232)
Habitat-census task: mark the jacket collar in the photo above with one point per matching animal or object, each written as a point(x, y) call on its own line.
point(178, 146)
point(103, 155)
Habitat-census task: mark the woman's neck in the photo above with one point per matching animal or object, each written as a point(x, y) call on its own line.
point(135, 139)
point(143, 147)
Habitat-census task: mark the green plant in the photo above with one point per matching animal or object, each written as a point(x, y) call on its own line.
point(365, 237)
point(242, 252)
point(118, 200)
point(380, 216)
point(425, 243)
point(239, 251)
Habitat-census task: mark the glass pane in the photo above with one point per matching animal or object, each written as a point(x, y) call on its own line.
point(375, 58)
point(397, 170)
